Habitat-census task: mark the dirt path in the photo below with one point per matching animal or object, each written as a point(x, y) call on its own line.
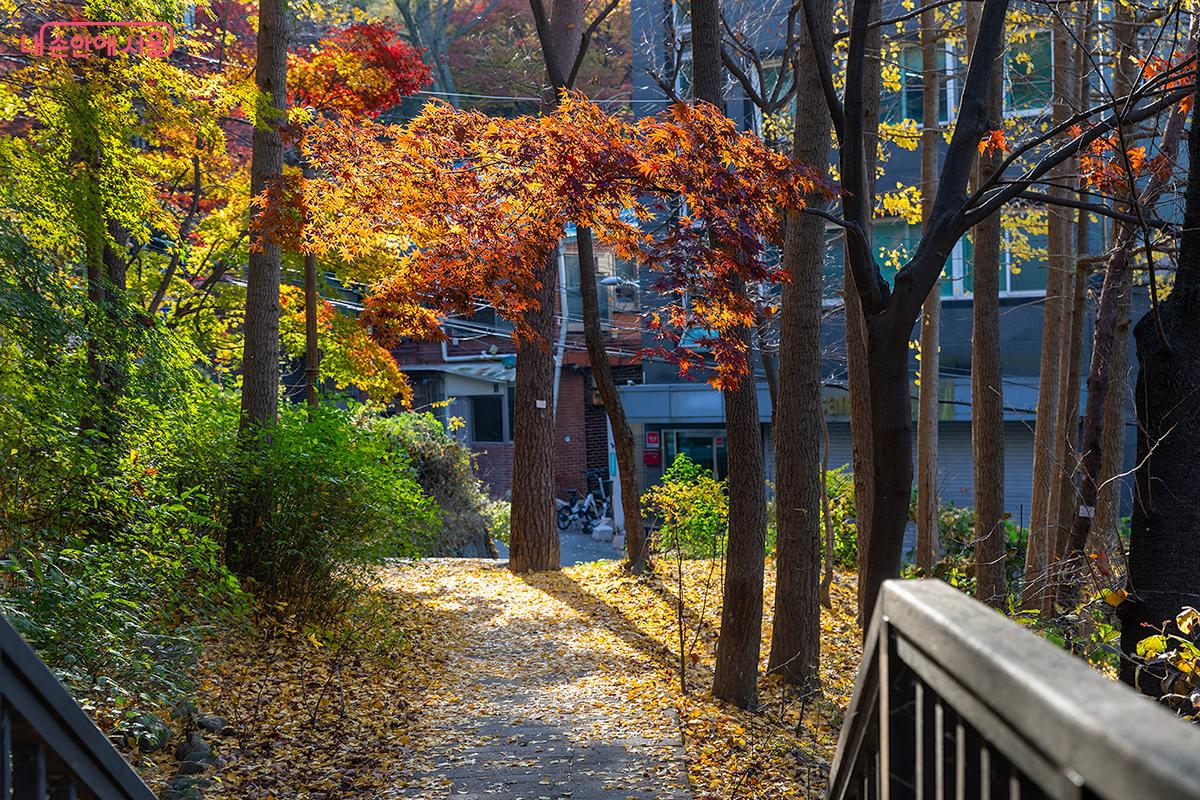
point(541, 699)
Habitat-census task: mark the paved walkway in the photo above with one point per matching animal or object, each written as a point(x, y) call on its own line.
point(540, 700)
point(575, 547)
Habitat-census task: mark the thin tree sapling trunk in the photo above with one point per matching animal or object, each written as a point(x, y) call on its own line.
point(931, 312)
point(635, 533)
point(987, 379)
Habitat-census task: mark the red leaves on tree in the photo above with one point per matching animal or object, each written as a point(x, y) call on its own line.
point(362, 70)
point(993, 142)
point(458, 209)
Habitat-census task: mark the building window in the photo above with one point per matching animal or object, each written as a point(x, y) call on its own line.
point(909, 102)
point(487, 418)
point(1029, 74)
point(1022, 259)
point(619, 298)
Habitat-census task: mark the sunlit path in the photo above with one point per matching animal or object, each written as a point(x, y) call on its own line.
point(540, 700)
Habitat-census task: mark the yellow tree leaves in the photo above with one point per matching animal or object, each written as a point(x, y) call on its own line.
point(349, 357)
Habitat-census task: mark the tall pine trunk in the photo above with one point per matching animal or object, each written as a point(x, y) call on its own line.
point(739, 644)
point(798, 417)
point(987, 377)
point(931, 312)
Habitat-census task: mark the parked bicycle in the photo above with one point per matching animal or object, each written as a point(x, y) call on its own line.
point(585, 510)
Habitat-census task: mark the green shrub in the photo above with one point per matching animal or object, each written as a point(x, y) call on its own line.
point(331, 500)
point(956, 563)
point(839, 488)
point(444, 469)
point(692, 510)
point(499, 519)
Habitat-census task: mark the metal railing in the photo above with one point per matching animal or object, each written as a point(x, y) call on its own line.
point(955, 702)
point(49, 748)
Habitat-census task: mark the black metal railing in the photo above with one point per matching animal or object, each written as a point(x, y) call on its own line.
point(49, 748)
point(955, 702)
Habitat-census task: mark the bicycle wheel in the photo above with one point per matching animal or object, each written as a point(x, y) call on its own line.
point(564, 518)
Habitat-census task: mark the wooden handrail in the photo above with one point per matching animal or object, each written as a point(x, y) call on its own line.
point(953, 700)
point(49, 748)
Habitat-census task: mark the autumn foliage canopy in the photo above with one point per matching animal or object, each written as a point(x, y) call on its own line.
point(457, 208)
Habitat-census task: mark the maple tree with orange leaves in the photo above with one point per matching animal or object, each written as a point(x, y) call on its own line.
point(457, 208)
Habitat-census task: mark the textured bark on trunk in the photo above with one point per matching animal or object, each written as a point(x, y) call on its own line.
point(635, 533)
point(534, 537)
point(931, 312)
point(1110, 322)
point(260, 351)
point(1105, 535)
point(857, 369)
point(1045, 433)
point(891, 414)
point(798, 417)
point(891, 314)
point(260, 328)
point(1064, 491)
point(987, 377)
point(735, 678)
point(1164, 551)
point(534, 545)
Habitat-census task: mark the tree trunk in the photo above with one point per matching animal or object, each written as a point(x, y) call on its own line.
point(891, 415)
point(857, 367)
point(1164, 551)
point(1105, 536)
point(312, 367)
point(827, 518)
point(534, 545)
point(987, 377)
point(1114, 305)
point(260, 352)
point(798, 417)
point(736, 675)
point(635, 533)
point(1045, 433)
point(931, 313)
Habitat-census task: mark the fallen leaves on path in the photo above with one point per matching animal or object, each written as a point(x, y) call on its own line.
point(462, 671)
point(782, 751)
point(321, 715)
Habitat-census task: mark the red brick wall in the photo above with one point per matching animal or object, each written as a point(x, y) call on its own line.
point(570, 457)
point(493, 465)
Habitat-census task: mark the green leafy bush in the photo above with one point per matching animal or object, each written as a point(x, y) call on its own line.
point(956, 563)
point(839, 488)
point(444, 469)
point(332, 499)
point(692, 510)
point(113, 543)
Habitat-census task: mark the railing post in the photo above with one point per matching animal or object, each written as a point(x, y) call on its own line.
point(5, 750)
point(898, 720)
point(28, 765)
